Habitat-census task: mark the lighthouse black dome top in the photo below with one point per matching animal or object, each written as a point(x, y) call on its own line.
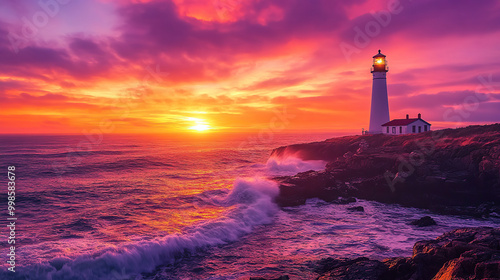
point(379, 54)
point(379, 63)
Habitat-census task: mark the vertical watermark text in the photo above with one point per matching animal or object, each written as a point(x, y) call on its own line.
point(11, 220)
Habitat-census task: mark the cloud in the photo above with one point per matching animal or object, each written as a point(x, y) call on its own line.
point(157, 28)
point(46, 62)
point(51, 102)
point(423, 20)
point(278, 82)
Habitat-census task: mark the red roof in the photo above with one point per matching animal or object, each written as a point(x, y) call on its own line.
point(402, 122)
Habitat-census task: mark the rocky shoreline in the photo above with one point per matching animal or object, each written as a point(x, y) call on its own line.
point(465, 253)
point(452, 171)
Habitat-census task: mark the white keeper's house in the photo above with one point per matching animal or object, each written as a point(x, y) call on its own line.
point(406, 126)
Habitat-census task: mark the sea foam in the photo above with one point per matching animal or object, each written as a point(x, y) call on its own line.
point(251, 204)
point(291, 165)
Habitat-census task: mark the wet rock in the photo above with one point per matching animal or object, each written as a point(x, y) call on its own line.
point(487, 270)
point(282, 277)
point(495, 211)
point(295, 190)
point(424, 222)
point(484, 210)
point(359, 270)
point(328, 264)
point(475, 264)
point(356, 208)
point(348, 155)
point(399, 268)
point(487, 165)
point(456, 269)
point(344, 200)
point(465, 253)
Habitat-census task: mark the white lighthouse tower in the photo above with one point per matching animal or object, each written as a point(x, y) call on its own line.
point(379, 112)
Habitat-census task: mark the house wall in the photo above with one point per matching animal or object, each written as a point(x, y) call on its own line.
point(395, 130)
point(417, 124)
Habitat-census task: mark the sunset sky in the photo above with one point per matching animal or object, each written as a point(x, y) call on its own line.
point(243, 65)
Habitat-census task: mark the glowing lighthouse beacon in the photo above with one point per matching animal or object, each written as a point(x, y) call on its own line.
point(379, 112)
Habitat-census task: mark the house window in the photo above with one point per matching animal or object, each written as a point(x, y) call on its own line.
point(387, 129)
point(419, 129)
point(425, 128)
point(400, 129)
point(393, 130)
point(413, 129)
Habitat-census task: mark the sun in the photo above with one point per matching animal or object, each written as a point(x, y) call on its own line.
point(200, 127)
point(197, 124)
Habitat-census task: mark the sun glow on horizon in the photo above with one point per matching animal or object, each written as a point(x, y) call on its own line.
point(200, 127)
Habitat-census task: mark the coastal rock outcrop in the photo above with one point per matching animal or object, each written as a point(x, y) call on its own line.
point(465, 253)
point(451, 171)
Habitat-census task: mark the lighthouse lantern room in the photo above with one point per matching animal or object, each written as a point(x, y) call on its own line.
point(379, 63)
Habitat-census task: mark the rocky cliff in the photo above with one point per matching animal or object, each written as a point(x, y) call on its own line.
point(454, 171)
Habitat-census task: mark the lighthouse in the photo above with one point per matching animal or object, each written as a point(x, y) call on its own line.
point(379, 112)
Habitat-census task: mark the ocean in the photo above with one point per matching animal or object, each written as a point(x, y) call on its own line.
point(183, 207)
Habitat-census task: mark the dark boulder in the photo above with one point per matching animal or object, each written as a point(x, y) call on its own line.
point(356, 208)
point(424, 222)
